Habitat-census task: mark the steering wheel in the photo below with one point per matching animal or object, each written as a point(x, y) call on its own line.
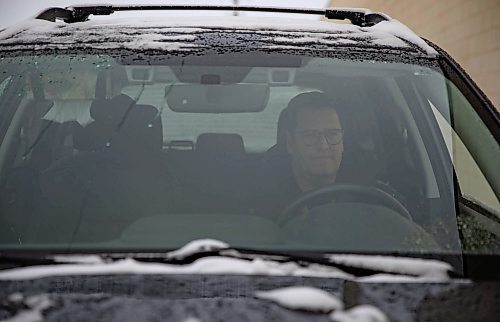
point(362, 193)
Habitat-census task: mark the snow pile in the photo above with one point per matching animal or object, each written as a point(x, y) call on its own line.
point(79, 259)
point(396, 28)
point(206, 265)
point(197, 246)
point(41, 27)
point(415, 269)
point(318, 301)
point(191, 320)
point(403, 269)
point(35, 303)
point(302, 298)
point(360, 313)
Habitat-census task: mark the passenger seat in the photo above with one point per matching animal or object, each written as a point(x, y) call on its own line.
point(116, 178)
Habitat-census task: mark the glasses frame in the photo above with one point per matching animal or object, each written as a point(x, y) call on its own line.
point(317, 135)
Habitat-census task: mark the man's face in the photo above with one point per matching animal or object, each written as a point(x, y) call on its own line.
point(315, 145)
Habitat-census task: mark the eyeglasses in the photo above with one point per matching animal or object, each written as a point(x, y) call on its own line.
point(311, 137)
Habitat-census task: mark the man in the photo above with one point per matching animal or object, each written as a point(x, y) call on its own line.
point(307, 155)
point(313, 140)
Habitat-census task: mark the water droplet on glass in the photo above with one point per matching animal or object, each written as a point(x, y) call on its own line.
point(108, 144)
point(150, 125)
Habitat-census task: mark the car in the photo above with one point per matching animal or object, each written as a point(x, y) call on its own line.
point(193, 168)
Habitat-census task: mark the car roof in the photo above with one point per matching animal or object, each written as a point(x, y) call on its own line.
point(190, 32)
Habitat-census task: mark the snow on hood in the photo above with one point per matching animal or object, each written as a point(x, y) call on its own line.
point(360, 313)
point(312, 299)
point(424, 269)
point(36, 304)
point(179, 33)
point(191, 320)
point(302, 298)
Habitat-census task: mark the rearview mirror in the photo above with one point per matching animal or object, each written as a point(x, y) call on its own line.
point(226, 98)
point(139, 74)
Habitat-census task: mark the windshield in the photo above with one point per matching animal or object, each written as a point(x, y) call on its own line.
point(288, 153)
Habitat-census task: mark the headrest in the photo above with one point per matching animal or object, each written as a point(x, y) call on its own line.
point(280, 147)
point(122, 125)
point(141, 131)
point(111, 111)
point(220, 143)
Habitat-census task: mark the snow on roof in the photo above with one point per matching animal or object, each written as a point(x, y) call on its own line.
point(401, 31)
point(182, 33)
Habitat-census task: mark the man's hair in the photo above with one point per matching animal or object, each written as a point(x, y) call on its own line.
point(287, 121)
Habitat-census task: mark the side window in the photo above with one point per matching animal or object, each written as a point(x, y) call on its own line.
point(473, 149)
point(475, 155)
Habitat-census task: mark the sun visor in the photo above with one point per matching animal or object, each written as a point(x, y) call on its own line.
point(217, 98)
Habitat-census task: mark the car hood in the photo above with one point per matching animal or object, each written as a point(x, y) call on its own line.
point(202, 297)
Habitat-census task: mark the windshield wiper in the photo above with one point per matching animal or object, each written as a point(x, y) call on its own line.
point(356, 265)
point(350, 264)
point(252, 254)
